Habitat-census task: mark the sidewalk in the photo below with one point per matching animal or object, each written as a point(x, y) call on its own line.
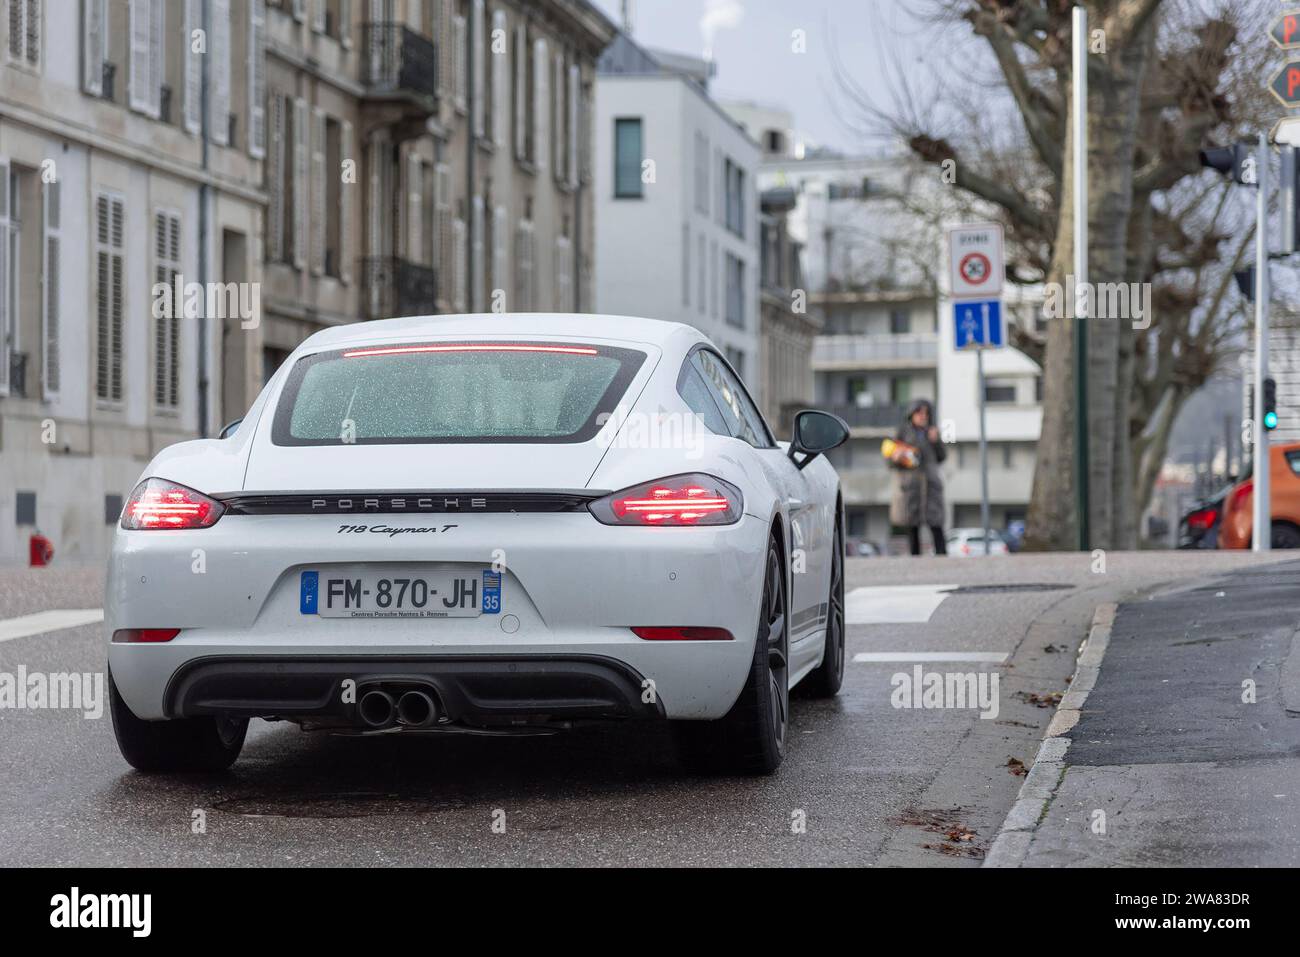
point(1168, 764)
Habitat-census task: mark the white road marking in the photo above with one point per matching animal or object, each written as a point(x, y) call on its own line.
point(44, 621)
point(893, 604)
point(992, 657)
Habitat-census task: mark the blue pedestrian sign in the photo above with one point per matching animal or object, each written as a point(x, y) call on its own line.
point(979, 324)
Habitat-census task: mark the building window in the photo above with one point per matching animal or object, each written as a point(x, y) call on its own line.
point(24, 18)
point(1038, 388)
point(1000, 393)
point(25, 508)
point(735, 313)
point(627, 159)
point(112, 509)
point(110, 214)
point(167, 327)
point(900, 322)
point(900, 391)
point(734, 181)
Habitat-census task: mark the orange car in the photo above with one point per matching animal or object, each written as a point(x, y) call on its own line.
point(1284, 491)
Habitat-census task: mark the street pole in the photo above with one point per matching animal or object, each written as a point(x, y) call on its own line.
point(1081, 310)
point(984, 445)
point(1262, 518)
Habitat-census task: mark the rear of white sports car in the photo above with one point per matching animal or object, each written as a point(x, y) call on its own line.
point(418, 532)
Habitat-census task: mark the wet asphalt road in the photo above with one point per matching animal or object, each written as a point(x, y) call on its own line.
point(872, 784)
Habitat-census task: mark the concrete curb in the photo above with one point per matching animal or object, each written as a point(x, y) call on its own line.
point(1011, 846)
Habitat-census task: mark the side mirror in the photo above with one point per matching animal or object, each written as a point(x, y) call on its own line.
point(229, 430)
point(816, 433)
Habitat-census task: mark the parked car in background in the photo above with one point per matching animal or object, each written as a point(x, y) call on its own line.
point(1199, 527)
point(861, 548)
point(969, 542)
point(1236, 525)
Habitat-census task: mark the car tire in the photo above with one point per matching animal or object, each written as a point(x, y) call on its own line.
point(179, 744)
point(826, 680)
point(1285, 535)
point(751, 737)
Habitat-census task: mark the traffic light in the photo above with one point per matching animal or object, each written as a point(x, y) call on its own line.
point(1237, 161)
point(1270, 404)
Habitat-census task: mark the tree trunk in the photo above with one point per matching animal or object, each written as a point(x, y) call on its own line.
point(1114, 97)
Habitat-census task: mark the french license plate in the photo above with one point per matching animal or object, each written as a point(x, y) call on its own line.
point(455, 593)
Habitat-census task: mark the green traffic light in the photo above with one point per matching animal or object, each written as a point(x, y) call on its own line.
point(1270, 420)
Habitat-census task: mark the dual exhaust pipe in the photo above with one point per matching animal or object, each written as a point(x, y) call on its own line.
point(412, 709)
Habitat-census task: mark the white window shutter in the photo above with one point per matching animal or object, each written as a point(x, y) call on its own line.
point(498, 249)
point(442, 36)
point(541, 104)
point(94, 37)
point(574, 92)
point(374, 157)
point(478, 276)
point(481, 53)
point(140, 32)
point(345, 23)
point(525, 273)
point(275, 180)
point(414, 205)
point(25, 32)
point(300, 10)
point(6, 280)
point(346, 193)
point(500, 80)
point(109, 232)
point(166, 346)
point(219, 50)
point(318, 187)
point(257, 79)
point(459, 279)
point(318, 15)
point(443, 239)
point(301, 183)
point(50, 289)
point(193, 106)
point(521, 90)
point(459, 49)
point(558, 137)
point(157, 53)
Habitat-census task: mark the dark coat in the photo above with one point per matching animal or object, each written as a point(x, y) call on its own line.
point(918, 492)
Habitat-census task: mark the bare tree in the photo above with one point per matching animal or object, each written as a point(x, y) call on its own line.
point(1165, 77)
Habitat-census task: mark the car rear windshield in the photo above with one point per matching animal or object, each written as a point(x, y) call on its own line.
point(453, 392)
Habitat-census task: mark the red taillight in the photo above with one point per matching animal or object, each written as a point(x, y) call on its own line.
point(1202, 519)
point(683, 634)
point(157, 503)
point(681, 500)
point(135, 636)
point(1241, 493)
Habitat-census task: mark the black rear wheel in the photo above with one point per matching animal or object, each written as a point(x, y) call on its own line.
point(826, 680)
point(1285, 536)
point(181, 744)
point(751, 738)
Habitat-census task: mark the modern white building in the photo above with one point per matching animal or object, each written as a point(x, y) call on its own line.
point(676, 203)
point(876, 271)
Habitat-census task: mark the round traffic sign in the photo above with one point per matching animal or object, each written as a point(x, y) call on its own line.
point(976, 269)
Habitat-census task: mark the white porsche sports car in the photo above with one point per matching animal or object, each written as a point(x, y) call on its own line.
point(485, 524)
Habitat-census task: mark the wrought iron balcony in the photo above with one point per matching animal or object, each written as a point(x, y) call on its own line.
point(400, 62)
point(398, 287)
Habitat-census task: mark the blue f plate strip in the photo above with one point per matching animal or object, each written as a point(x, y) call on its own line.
point(310, 586)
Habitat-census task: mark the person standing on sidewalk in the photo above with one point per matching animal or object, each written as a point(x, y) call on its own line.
point(918, 490)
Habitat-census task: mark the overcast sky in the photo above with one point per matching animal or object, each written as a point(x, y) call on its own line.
point(752, 40)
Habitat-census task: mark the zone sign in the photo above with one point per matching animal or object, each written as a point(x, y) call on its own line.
point(976, 264)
